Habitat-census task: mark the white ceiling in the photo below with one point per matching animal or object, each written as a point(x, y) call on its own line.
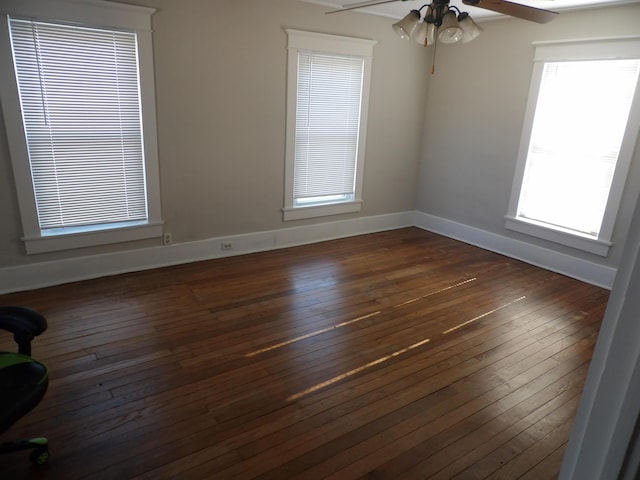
point(399, 9)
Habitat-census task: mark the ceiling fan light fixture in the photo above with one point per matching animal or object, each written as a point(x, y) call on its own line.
point(446, 23)
point(425, 34)
point(470, 28)
point(450, 31)
point(405, 27)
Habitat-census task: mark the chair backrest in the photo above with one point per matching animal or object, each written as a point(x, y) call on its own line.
point(23, 383)
point(24, 323)
point(23, 380)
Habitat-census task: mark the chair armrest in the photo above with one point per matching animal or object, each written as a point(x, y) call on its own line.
point(24, 323)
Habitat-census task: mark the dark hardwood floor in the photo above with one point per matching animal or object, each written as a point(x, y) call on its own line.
point(394, 355)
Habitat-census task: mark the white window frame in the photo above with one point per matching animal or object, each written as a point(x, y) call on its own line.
point(575, 50)
point(92, 13)
point(330, 44)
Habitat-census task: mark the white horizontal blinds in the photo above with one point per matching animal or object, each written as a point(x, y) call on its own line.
point(79, 92)
point(580, 119)
point(327, 125)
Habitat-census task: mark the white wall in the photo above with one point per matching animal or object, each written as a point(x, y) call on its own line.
point(220, 69)
point(610, 403)
point(220, 82)
point(475, 110)
point(220, 72)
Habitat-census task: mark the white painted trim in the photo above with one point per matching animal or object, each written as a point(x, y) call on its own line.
point(580, 49)
point(558, 235)
point(578, 268)
point(333, 44)
point(97, 13)
point(610, 403)
point(94, 13)
point(41, 244)
point(298, 213)
point(587, 49)
point(305, 40)
point(44, 274)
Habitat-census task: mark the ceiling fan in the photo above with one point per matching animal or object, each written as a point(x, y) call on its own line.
point(445, 23)
point(439, 8)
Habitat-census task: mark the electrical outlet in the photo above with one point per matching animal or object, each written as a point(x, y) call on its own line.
point(167, 239)
point(226, 246)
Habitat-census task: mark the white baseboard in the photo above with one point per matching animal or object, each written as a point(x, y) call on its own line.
point(577, 268)
point(46, 274)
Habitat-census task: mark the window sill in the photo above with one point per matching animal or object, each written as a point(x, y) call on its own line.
point(587, 244)
point(299, 213)
point(68, 241)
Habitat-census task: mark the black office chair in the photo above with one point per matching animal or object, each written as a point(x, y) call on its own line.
point(23, 380)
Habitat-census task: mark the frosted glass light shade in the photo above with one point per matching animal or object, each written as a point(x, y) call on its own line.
point(405, 27)
point(425, 34)
point(470, 28)
point(450, 31)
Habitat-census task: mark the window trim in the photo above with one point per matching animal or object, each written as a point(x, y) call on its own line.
point(557, 51)
point(331, 44)
point(101, 14)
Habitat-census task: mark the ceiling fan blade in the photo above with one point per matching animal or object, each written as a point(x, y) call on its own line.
point(533, 14)
point(363, 5)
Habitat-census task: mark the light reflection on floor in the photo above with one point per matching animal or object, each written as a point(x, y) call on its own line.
point(385, 358)
point(433, 293)
point(483, 315)
point(359, 369)
point(380, 360)
point(352, 321)
point(312, 334)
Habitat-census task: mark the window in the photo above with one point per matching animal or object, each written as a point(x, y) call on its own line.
point(577, 142)
point(327, 104)
point(85, 173)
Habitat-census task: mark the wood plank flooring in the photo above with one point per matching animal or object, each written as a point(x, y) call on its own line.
point(396, 355)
